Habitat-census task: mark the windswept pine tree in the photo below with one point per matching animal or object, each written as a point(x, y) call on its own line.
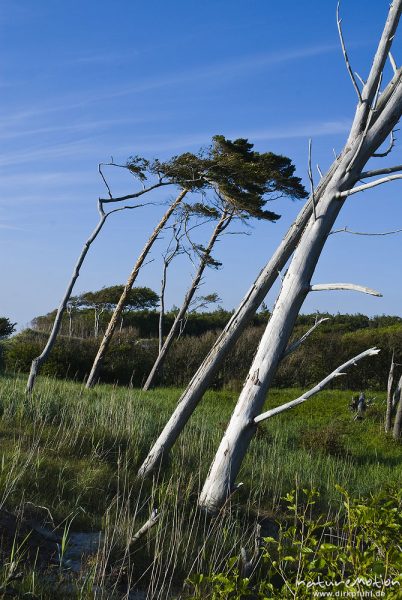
point(236, 181)
point(242, 181)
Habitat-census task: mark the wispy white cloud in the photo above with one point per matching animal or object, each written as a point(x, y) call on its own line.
point(293, 131)
point(215, 72)
point(7, 226)
point(224, 70)
point(103, 58)
point(76, 127)
point(42, 179)
point(85, 147)
point(97, 149)
point(305, 130)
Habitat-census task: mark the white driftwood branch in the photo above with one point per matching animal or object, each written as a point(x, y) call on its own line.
point(360, 79)
point(393, 63)
point(383, 171)
point(367, 186)
point(345, 54)
point(320, 287)
point(383, 50)
point(338, 372)
point(292, 347)
point(154, 518)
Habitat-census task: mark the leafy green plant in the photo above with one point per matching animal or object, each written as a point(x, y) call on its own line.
point(358, 554)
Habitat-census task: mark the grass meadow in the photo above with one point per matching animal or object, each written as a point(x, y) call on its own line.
point(69, 458)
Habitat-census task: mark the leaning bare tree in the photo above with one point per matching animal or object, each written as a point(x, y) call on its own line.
point(181, 237)
point(390, 386)
point(397, 430)
point(183, 171)
point(204, 260)
point(137, 171)
point(375, 118)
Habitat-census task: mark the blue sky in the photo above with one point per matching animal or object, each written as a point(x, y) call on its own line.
point(84, 81)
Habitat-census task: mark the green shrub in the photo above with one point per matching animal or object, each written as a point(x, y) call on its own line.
point(355, 557)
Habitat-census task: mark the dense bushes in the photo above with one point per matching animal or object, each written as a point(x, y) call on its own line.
point(131, 357)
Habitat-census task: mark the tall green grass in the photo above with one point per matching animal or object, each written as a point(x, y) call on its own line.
point(76, 452)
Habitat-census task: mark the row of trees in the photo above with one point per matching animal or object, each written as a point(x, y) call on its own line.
point(131, 357)
point(106, 300)
point(146, 323)
point(227, 182)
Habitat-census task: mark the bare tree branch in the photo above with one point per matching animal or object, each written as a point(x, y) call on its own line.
point(393, 63)
point(104, 181)
point(136, 194)
point(292, 347)
point(346, 230)
point(360, 78)
point(345, 54)
point(388, 150)
point(383, 171)
point(338, 372)
point(367, 186)
point(320, 287)
point(153, 519)
point(369, 91)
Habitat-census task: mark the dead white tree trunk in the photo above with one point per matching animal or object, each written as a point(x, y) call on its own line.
point(92, 379)
point(39, 360)
point(225, 342)
point(388, 414)
point(398, 417)
point(167, 258)
point(373, 123)
point(69, 309)
point(153, 519)
point(222, 224)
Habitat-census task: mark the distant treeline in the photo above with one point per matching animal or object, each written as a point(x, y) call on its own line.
point(134, 349)
point(144, 323)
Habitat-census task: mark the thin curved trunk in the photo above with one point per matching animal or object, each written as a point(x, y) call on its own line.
point(162, 306)
point(39, 360)
point(220, 227)
point(123, 298)
point(398, 417)
point(388, 415)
